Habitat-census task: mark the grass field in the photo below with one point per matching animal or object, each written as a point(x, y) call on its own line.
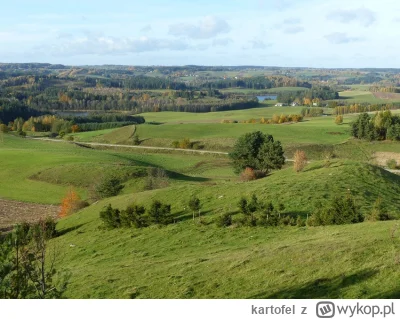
point(29, 165)
point(216, 117)
point(363, 96)
point(192, 260)
point(257, 92)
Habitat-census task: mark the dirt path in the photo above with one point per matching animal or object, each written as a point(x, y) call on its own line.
point(12, 212)
point(135, 146)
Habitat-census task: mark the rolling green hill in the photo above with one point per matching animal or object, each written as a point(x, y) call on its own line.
point(198, 260)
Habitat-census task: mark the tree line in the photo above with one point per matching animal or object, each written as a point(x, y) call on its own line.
point(381, 126)
point(308, 97)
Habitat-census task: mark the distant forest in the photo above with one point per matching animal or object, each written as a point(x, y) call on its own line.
point(34, 89)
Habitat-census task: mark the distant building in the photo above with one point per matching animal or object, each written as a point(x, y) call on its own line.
point(295, 104)
point(279, 104)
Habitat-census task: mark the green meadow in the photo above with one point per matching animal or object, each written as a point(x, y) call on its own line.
point(195, 258)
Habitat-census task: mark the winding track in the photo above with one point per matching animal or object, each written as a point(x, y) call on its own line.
point(133, 146)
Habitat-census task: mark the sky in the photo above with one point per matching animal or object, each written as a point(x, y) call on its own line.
point(287, 33)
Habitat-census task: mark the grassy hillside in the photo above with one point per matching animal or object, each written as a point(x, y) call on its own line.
point(121, 135)
point(40, 171)
point(192, 261)
point(198, 260)
point(221, 137)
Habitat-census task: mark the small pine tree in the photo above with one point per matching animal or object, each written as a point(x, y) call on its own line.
point(109, 186)
point(194, 205)
point(136, 140)
point(378, 212)
point(133, 215)
point(224, 220)
point(160, 213)
point(110, 217)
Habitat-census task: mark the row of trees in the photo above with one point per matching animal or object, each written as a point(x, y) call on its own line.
point(381, 126)
point(54, 124)
point(258, 83)
point(312, 111)
point(361, 108)
point(308, 97)
point(137, 216)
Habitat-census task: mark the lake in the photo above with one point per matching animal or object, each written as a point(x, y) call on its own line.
point(266, 97)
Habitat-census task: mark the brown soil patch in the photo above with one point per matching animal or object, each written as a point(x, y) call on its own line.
point(13, 212)
point(387, 96)
point(382, 157)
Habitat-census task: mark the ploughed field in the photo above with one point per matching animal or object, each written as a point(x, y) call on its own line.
point(12, 212)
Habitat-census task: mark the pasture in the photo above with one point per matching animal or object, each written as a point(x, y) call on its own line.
point(190, 259)
point(197, 259)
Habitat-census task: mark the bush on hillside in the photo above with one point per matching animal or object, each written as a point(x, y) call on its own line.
point(109, 186)
point(340, 211)
point(225, 220)
point(392, 164)
point(248, 175)
point(110, 217)
point(160, 214)
point(156, 178)
point(339, 119)
point(300, 161)
point(378, 212)
point(258, 151)
point(133, 216)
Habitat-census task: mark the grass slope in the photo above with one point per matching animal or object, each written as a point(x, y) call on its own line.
point(192, 260)
point(121, 135)
point(24, 161)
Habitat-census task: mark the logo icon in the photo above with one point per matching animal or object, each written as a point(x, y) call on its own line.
point(325, 309)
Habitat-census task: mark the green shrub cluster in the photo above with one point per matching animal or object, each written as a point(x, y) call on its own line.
point(256, 213)
point(340, 211)
point(137, 216)
point(187, 144)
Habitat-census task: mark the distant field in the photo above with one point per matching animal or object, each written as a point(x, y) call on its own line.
point(257, 113)
point(114, 136)
point(368, 97)
point(317, 130)
point(257, 92)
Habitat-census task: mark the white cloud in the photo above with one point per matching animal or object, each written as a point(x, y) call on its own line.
point(259, 44)
point(293, 29)
point(341, 38)
point(363, 16)
point(221, 42)
point(103, 45)
point(146, 28)
point(208, 27)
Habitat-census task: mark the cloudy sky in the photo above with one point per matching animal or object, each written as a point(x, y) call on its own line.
point(309, 33)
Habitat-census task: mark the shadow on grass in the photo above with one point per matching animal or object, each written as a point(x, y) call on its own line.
point(186, 178)
point(68, 230)
point(330, 288)
point(182, 216)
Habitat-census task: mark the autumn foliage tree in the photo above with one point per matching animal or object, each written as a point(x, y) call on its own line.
point(300, 161)
point(70, 203)
point(339, 119)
